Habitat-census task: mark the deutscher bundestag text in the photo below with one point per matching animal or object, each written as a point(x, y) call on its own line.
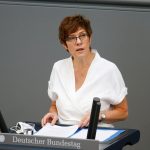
point(47, 142)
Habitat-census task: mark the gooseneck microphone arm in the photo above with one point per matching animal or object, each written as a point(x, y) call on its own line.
point(94, 117)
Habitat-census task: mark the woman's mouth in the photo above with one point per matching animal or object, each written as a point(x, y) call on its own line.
point(79, 49)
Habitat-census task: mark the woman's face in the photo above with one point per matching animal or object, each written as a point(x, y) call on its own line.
point(78, 43)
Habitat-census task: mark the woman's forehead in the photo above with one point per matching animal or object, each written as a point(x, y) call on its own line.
point(79, 30)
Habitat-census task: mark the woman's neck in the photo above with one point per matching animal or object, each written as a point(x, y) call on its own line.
point(83, 61)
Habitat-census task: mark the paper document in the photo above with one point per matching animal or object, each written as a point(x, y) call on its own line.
point(57, 131)
point(102, 135)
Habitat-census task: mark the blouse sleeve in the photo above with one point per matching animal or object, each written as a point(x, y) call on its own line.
point(51, 85)
point(119, 90)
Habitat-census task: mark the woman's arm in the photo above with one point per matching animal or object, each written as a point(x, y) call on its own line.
point(53, 108)
point(51, 116)
point(116, 113)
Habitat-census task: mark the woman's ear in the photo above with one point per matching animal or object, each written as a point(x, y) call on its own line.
point(65, 47)
point(90, 38)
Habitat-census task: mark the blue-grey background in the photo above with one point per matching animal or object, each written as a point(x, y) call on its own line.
point(29, 46)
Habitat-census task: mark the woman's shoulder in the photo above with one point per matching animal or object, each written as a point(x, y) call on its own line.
point(103, 62)
point(62, 63)
point(108, 63)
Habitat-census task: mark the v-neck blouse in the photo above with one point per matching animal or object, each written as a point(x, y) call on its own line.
point(103, 80)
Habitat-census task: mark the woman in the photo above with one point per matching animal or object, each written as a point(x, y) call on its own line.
point(76, 80)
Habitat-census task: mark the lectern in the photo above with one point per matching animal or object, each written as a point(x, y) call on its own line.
point(9, 141)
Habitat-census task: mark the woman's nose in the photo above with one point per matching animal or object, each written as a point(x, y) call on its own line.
point(78, 40)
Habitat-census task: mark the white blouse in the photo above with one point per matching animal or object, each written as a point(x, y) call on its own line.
point(103, 80)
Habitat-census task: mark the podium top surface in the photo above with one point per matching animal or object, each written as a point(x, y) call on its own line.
point(10, 141)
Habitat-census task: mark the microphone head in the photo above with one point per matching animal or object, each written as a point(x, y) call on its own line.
point(96, 99)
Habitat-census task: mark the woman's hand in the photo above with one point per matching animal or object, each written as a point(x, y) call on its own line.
point(49, 117)
point(85, 120)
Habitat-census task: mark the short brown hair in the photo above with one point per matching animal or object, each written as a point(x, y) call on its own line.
point(71, 24)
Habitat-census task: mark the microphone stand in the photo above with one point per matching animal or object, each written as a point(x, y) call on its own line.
point(94, 118)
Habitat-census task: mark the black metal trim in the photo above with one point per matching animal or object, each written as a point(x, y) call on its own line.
point(137, 3)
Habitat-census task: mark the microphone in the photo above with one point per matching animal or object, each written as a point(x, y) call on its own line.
point(3, 126)
point(94, 118)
